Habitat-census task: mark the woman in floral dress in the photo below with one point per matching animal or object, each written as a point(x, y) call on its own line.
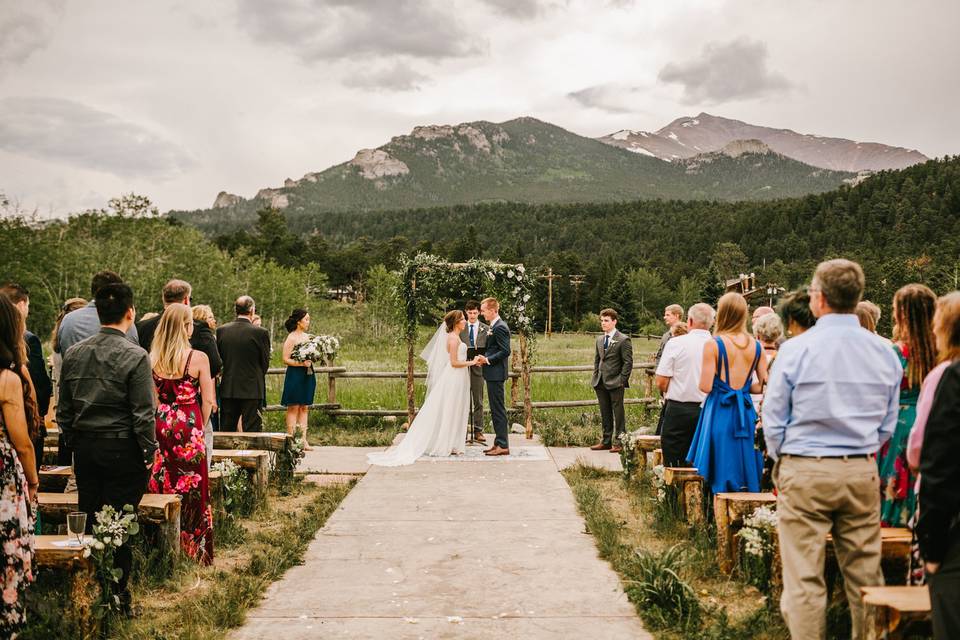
point(18, 470)
point(182, 378)
point(913, 309)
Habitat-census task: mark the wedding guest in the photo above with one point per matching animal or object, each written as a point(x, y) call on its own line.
point(64, 453)
point(824, 417)
point(612, 366)
point(299, 381)
point(678, 378)
point(149, 315)
point(679, 329)
point(672, 314)
point(245, 350)
point(109, 425)
point(946, 328)
point(723, 449)
point(202, 338)
point(185, 400)
point(913, 309)
point(938, 527)
point(84, 323)
point(475, 337)
point(257, 321)
point(795, 312)
point(768, 329)
point(866, 315)
point(19, 481)
point(203, 313)
point(36, 365)
point(758, 313)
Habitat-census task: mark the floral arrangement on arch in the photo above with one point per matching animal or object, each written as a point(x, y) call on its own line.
point(428, 282)
point(317, 349)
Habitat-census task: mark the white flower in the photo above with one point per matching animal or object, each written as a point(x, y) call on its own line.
point(521, 269)
point(510, 273)
point(526, 297)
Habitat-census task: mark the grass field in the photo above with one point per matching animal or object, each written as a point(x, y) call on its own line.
point(361, 350)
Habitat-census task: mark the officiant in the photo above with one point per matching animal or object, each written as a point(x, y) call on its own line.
point(474, 336)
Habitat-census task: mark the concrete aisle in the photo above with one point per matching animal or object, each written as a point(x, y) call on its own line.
point(460, 549)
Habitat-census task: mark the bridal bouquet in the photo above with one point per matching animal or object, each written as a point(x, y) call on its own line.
point(316, 349)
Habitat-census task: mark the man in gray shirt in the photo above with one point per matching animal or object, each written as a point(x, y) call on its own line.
point(106, 413)
point(81, 324)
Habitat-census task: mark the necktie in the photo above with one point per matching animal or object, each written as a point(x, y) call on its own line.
point(471, 337)
point(606, 341)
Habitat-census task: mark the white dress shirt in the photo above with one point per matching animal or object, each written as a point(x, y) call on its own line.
point(682, 361)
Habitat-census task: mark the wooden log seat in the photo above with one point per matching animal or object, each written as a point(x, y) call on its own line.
point(690, 483)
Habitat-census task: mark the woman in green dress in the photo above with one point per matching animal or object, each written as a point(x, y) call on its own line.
point(914, 342)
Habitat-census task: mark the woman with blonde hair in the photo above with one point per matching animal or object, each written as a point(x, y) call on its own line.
point(915, 346)
point(723, 446)
point(180, 374)
point(204, 314)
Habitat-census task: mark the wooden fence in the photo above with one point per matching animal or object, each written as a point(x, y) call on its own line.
point(333, 373)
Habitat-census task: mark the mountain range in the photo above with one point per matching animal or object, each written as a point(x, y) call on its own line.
point(531, 161)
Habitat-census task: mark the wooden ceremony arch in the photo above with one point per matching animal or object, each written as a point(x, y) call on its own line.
point(427, 281)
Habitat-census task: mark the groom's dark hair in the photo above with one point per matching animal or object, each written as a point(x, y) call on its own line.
point(472, 305)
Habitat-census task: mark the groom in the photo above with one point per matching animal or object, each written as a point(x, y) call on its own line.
point(496, 363)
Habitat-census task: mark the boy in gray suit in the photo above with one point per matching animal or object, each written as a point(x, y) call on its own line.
point(475, 337)
point(612, 366)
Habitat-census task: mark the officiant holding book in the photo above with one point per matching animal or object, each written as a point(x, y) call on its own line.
point(474, 335)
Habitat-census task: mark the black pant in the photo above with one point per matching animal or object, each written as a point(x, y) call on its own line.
point(110, 471)
point(945, 592)
point(231, 409)
point(679, 426)
point(498, 413)
point(611, 414)
point(64, 453)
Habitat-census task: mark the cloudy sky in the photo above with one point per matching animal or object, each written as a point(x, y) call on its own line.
point(178, 100)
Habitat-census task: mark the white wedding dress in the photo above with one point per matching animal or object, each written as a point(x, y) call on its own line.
point(440, 428)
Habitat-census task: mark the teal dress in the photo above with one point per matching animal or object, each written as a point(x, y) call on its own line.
point(299, 386)
point(898, 499)
point(723, 448)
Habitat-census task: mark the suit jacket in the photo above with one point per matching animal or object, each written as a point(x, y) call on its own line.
point(245, 350)
point(613, 367)
point(498, 353)
point(939, 523)
point(479, 340)
point(201, 340)
point(37, 367)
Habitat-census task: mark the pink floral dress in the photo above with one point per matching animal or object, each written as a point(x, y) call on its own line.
point(180, 463)
point(16, 535)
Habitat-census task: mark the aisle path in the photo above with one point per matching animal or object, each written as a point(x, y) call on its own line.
point(459, 549)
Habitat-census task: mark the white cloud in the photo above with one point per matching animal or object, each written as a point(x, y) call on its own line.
point(26, 27)
point(74, 134)
point(397, 77)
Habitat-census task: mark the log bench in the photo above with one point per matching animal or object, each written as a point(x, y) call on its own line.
point(889, 611)
point(657, 457)
point(690, 484)
point(54, 478)
point(729, 510)
point(215, 488)
point(645, 445)
point(894, 554)
point(162, 510)
point(258, 441)
point(50, 554)
point(257, 463)
point(53, 437)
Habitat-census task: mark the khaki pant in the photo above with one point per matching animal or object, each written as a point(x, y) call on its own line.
point(817, 497)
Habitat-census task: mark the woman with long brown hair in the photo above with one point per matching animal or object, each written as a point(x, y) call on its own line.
point(913, 309)
point(18, 471)
point(723, 446)
point(180, 463)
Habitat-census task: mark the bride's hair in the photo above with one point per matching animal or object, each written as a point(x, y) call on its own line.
point(452, 319)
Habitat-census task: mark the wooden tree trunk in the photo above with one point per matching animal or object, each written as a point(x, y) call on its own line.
point(411, 409)
point(525, 374)
point(331, 386)
point(514, 388)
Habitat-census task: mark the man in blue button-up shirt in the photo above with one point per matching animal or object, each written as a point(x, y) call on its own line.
point(832, 401)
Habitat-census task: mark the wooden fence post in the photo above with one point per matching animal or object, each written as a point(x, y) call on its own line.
point(525, 374)
point(514, 389)
point(331, 385)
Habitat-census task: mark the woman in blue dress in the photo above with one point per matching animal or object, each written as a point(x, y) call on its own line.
point(299, 382)
point(733, 367)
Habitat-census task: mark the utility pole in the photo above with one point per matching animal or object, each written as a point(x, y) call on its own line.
point(576, 280)
point(550, 277)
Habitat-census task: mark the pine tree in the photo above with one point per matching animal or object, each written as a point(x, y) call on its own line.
point(621, 297)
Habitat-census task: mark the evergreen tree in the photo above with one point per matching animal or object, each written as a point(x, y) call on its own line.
point(621, 297)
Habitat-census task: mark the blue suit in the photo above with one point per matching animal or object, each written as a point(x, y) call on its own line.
point(496, 373)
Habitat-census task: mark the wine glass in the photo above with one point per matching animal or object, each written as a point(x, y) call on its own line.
point(77, 524)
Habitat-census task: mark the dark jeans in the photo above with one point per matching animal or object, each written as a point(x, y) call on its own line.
point(498, 413)
point(679, 426)
point(110, 471)
point(945, 593)
point(611, 414)
point(232, 409)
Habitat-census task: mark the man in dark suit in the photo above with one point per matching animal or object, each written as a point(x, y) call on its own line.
point(496, 369)
point(36, 364)
point(202, 338)
point(612, 366)
point(474, 336)
point(245, 350)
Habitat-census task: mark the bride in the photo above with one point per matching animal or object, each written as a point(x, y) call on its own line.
point(440, 428)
